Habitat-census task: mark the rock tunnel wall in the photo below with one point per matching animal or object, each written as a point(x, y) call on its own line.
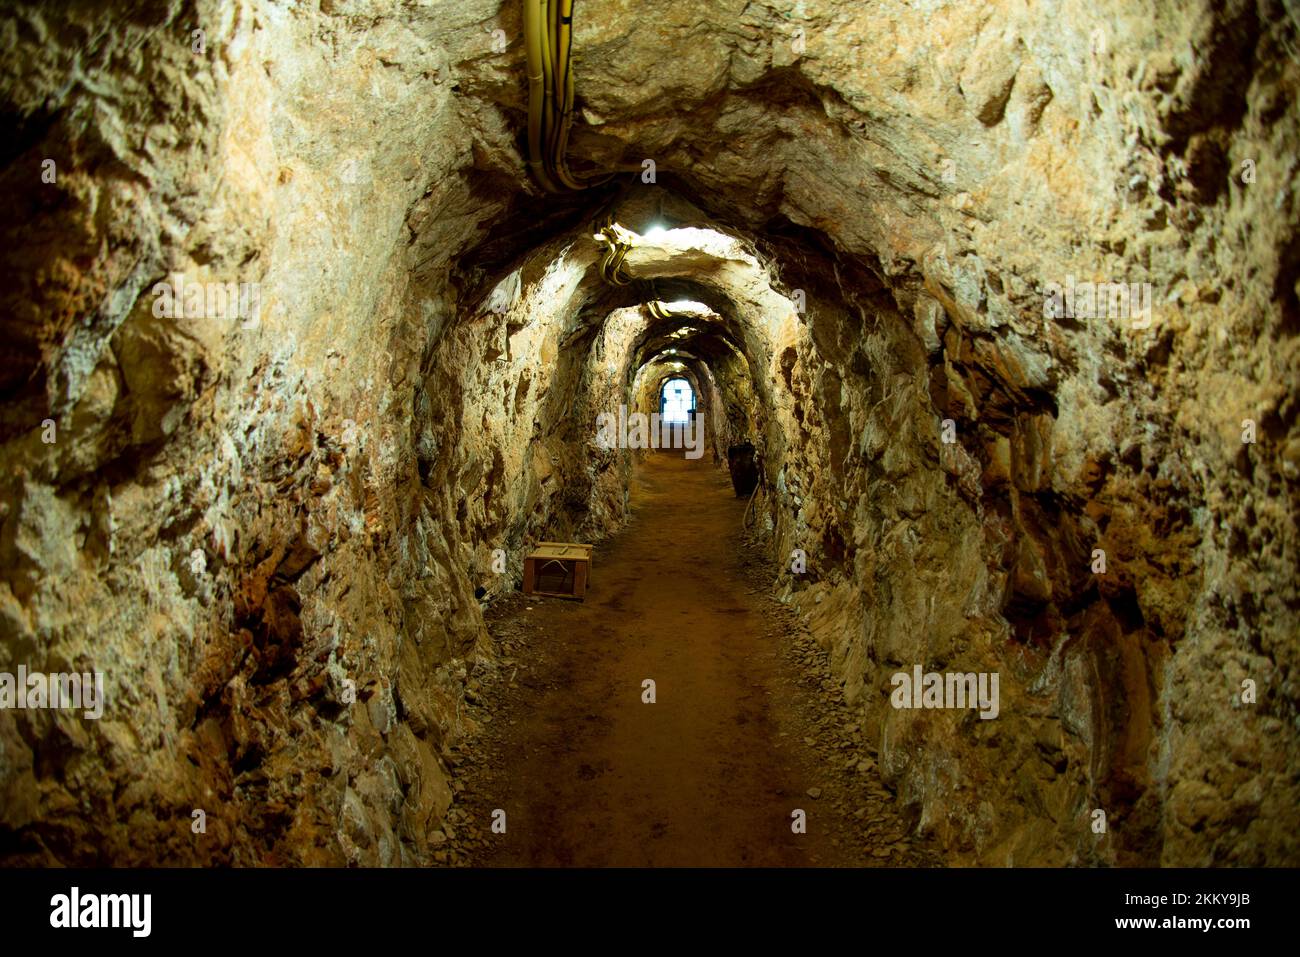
point(246, 522)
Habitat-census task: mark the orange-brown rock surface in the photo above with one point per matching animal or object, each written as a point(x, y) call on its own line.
point(274, 531)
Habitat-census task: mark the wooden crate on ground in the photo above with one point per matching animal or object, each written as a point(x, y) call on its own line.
point(572, 559)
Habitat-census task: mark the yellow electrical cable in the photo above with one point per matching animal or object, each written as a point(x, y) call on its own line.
point(548, 84)
point(616, 267)
point(560, 32)
point(619, 241)
point(533, 47)
point(548, 41)
point(564, 92)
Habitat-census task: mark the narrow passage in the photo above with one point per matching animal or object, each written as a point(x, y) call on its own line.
point(711, 772)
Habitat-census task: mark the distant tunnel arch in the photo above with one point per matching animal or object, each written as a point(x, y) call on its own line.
point(676, 400)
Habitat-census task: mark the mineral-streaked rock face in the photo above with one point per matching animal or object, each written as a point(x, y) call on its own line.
point(267, 530)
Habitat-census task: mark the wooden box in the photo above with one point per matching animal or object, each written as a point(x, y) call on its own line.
point(573, 559)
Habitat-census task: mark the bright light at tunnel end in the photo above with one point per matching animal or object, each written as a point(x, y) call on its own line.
point(623, 429)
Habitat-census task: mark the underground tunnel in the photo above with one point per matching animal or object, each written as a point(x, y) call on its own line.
point(922, 378)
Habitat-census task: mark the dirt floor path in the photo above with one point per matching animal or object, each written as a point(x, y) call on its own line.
point(745, 729)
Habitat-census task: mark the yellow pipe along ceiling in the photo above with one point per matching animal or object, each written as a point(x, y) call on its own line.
point(548, 46)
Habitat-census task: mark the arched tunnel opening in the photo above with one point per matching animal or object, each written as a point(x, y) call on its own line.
point(915, 380)
point(676, 399)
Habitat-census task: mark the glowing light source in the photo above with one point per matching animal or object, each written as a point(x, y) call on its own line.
point(677, 401)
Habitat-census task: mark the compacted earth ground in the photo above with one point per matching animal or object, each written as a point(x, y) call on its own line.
point(746, 727)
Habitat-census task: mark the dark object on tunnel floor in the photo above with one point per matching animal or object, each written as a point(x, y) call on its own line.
point(744, 470)
point(558, 569)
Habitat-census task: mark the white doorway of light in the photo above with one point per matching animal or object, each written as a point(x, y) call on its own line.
point(676, 402)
